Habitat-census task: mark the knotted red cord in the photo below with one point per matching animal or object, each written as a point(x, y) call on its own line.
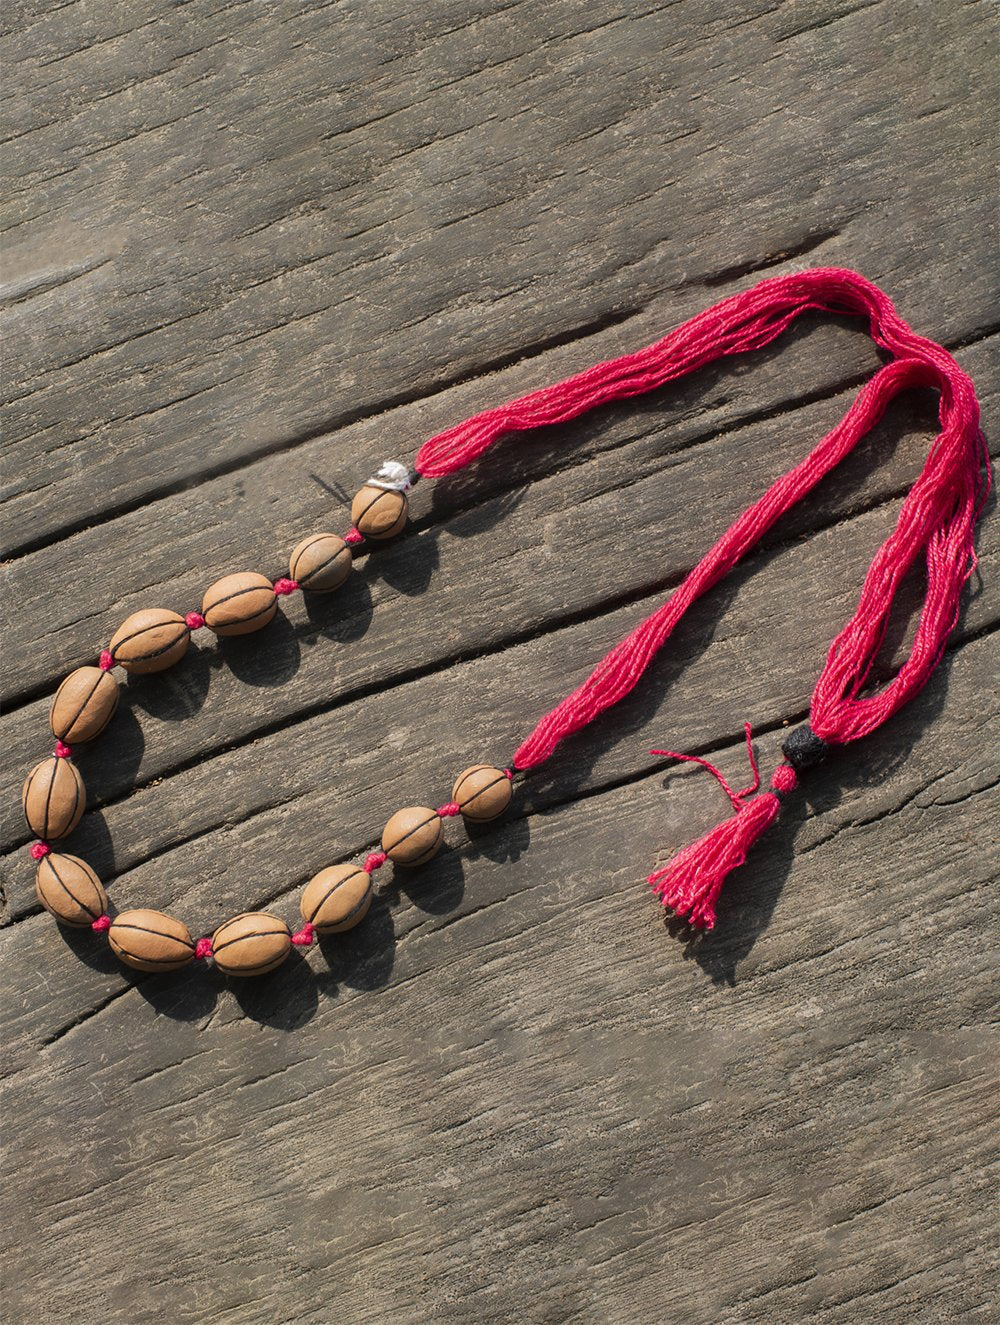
point(937, 519)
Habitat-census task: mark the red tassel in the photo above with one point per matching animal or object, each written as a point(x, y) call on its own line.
point(692, 881)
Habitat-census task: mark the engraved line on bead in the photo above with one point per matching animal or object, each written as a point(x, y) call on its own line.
point(334, 887)
point(156, 653)
point(415, 829)
point(68, 891)
point(83, 703)
point(143, 929)
point(239, 593)
point(504, 777)
point(324, 565)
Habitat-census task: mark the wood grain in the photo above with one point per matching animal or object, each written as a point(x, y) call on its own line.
point(252, 250)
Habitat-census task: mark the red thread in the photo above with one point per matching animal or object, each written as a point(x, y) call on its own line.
point(937, 517)
point(305, 935)
point(194, 621)
point(101, 924)
point(737, 797)
point(354, 536)
point(450, 810)
point(374, 862)
point(203, 948)
point(106, 660)
point(509, 774)
point(283, 586)
point(936, 521)
point(39, 850)
point(62, 751)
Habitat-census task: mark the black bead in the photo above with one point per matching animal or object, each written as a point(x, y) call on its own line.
point(803, 748)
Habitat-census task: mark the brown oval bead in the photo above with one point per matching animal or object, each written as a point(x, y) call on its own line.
point(69, 889)
point(252, 943)
point(412, 835)
point(53, 798)
point(483, 792)
point(239, 604)
point(379, 512)
point(336, 899)
point(150, 641)
point(320, 563)
point(83, 705)
point(151, 941)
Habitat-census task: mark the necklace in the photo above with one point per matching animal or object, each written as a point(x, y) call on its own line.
point(937, 520)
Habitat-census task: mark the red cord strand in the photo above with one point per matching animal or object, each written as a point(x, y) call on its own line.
point(736, 797)
point(937, 518)
point(936, 521)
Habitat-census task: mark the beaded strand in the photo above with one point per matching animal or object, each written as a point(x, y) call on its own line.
point(936, 525)
point(153, 639)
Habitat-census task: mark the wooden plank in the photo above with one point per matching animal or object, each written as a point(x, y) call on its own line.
point(251, 250)
point(846, 1056)
point(216, 254)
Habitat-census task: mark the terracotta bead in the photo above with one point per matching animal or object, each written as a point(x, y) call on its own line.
point(337, 898)
point(251, 943)
point(483, 792)
point(150, 641)
point(412, 835)
point(379, 512)
point(69, 889)
point(239, 604)
point(151, 941)
point(320, 563)
point(83, 705)
point(53, 798)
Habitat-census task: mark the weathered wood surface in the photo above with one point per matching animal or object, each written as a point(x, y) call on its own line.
point(251, 250)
